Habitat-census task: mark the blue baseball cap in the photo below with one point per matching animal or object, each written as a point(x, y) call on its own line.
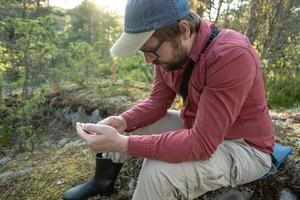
point(142, 18)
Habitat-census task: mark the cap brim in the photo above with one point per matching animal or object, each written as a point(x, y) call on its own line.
point(129, 43)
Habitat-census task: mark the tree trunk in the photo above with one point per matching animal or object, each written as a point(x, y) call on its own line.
point(276, 37)
point(219, 10)
point(252, 26)
point(90, 31)
point(24, 10)
point(38, 3)
point(226, 19)
point(210, 8)
point(25, 83)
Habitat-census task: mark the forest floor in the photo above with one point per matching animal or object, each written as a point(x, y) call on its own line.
point(62, 161)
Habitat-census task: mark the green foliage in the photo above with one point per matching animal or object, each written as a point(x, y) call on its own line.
point(90, 23)
point(134, 69)
point(22, 120)
point(34, 49)
point(283, 77)
point(85, 65)
point(58, 48)
point(284, 93)
point(292, 53)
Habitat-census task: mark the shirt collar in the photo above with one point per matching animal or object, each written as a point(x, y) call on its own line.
point(202, 37)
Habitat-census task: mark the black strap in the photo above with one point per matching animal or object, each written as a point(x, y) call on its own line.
point(188, 72)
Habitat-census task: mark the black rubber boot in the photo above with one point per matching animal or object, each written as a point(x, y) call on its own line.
point(102, 183)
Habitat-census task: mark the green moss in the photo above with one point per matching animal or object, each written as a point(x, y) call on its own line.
point(90, 99)
point(52, 173)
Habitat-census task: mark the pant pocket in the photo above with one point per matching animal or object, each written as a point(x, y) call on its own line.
point(249, 164)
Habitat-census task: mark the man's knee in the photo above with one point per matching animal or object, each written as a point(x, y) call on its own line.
point(150, 171)
point(155, 180)
point(170, 122)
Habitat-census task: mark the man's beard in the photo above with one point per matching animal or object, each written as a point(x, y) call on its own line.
point(180, 57)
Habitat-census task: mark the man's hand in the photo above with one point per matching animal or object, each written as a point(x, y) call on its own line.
point(102, 138)
point(118, 122)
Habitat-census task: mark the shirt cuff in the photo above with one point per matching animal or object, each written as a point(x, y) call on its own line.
point(130, 126)
point(140, 146)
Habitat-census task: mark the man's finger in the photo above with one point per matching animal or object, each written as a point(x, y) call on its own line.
point(80, 132)
point(105, 121)
point(102, 121)
point(96, 128)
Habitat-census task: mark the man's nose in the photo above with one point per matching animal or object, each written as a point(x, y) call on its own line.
point(149, 59)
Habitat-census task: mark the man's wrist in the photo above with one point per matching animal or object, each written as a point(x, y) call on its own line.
point(124, 122)
point(123, 143)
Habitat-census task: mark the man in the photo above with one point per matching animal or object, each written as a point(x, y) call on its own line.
point(223, 134)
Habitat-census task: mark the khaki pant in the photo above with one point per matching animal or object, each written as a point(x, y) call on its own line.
point(234, 163)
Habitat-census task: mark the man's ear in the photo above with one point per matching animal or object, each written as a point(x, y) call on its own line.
point(185, 29)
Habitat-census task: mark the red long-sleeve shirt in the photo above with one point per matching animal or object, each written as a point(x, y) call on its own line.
point(226, 100)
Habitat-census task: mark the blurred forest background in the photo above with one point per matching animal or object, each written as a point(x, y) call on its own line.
point(45, 50)
point(55, 69)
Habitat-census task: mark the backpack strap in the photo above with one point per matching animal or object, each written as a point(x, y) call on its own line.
point(188, 72)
